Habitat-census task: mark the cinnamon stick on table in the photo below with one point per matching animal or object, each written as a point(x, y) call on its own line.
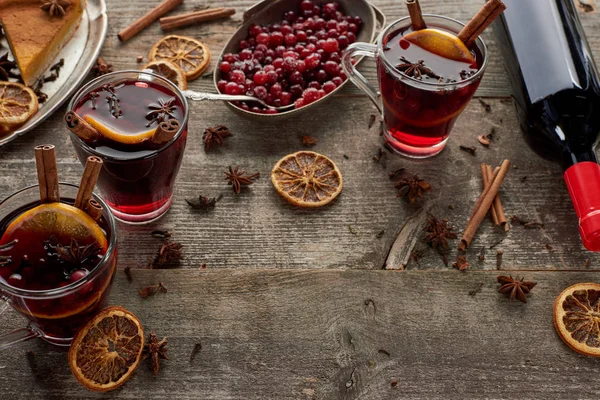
point(150, 17)
point(93, 166)
point(488, 13)
point(45, 161)
point(81, 128)
point(497, 204)
point(486, 183)
point(416, 16)
point(483, 205)
point(210, 14)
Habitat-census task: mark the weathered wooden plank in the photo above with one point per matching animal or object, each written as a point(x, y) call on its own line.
point(332, 335)
point(258, 229)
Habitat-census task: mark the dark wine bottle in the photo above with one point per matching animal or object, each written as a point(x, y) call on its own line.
point(556, 89)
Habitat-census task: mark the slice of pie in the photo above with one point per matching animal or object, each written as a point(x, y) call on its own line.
point(37, 30)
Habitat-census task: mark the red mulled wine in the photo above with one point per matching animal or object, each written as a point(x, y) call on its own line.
point(424, 93)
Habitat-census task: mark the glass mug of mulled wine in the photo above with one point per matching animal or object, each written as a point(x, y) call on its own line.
point(53, 271)
point(421, 94)
point(128, 111)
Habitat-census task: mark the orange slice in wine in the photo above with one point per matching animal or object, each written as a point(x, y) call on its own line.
point(190, 55)
point(107, 350)
point(444, 44)
point(115, 136)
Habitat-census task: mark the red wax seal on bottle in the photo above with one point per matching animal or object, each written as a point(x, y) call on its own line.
point(583, 182)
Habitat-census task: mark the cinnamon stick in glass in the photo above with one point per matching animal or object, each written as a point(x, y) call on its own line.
point(416, 16)
point(166, 131)
point(210, 14)
point(488, 13)
point(150, 17)
point(497, 204)
point(486, 183)
point(92, 169)
point(45, 161)
point(482, 206)
point(94, 209)
point(81, 128)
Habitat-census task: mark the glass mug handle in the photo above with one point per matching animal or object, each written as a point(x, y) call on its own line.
point(18, 335)
point(361, 49)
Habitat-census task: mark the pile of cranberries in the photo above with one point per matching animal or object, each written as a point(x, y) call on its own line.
point(296, 61)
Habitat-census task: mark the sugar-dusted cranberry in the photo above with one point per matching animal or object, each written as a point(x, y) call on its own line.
point(246, 54)
point(329, 86)
point(16, 280)
point(331, 24)
point(259, 56)
point(252, 42)
point(319, 24)
point(296, 91)
point(254, 30)
point(321, 93)
point(290, 16)
point(301, 36)
point(271, 111)
point(337, 81)
point(232, 88)
point(260, 92)
point(285, 98)
point(312, 61)
point(306, 5)
point(292, 54)
point(322, 35)
point(343, 41)
point(225, 67)
point(279, 50)
point(237, 76)
point(351, 37)
point(291, 39)
point(276, 39)
point(310, 95)
point(321, 75)
point(249, 85)
point(243, 44)
point(296, 78)
point(244, 106)
point(230, 58)
point(330, 9)
point(300, 66)
point(287, 30)
point(312, 39)
point(314, 85)
point(278, 63)
point(263, 38)
point(299, 103)
point(331, 45)
point(276, 90)
point(260, 77)
point(333, 33)
point(335, 57)
point(332, 68)
point(342, 27)
point(275, 28)
point(343, 75)
point(352, 27)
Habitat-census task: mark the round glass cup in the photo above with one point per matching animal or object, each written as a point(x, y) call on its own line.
point(138, 189)
point(56, 314)
point(418, 115)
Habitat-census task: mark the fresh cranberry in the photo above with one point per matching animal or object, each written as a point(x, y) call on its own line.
point(225, 66)
point(301, 36)
point(300, 66)
point(276, 39)
point(329, 86)
point(322, 35)
point(275, 28)
point(306, 5)
point(337, 81)
point(287, 30)
point(272, 77)
point(351, 37)
point(335, 57)
point(322, 93)
point(343, 27)
point(260, 77)
point(243, 44)
point(254, 30)
point(291, 39)
point(285, 98)
point(276, 90)
point(246, 54)
point(312, 39)
point(271, 111)
point(331, 45)
point(308, 13)
point(319, 24)
point(333, 34)
point(259, 56)
point(290, 16)
point(343, 75)
point(352, 27)
point(332, 68)
point(77, 275)
point(312, 61)
point(263, 38)
point(299, 103)
point(321, 75)
point(237, 76)
point(278, 63)
point(331, 24)
point(296, 91)
point(330, 9)
point(260, 92)
point(310, 95)
point(232, 88)
point(343, 41)
point(296, 78)
point(314, 85)
point(230, 58)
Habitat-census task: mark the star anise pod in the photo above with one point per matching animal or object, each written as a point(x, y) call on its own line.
point(214, 136)
point(152, 290)
point(161, 112)
point(74, 253)
point(155, 350)
point(102, 68)
point(203, 202)
point(416, 70)
point(6, 67)
point(515, 288)
point(169, 253)
point(55, 7)
point(412, 187)
point(238, 178)
point(438, 234)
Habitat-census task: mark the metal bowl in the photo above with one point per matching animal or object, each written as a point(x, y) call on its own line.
point(270, 11)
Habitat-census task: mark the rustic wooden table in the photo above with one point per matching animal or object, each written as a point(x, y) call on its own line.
point(296, 304)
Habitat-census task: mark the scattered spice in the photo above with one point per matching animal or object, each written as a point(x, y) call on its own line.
point(394, 382)
point(461, 263)
point(102, 68)
point(214, 136)
point(416, 70)
point(152, 290)
point(372, 120)
point(549, 247)
point(412, 188)
point(470, 150)
point(587, 263)
point(203, 203)
point(438, 234)
point(380, 234)
point(50, 78)
point(499, 254)
point(377, 157)
point(169, 253)
point(484, 140)
point(57, 66)
point(127, 271)
point(155, 350)
point(309, 140)
point(55, 8)
point(74, 253)
point(195, 350)
point(485, 105)
point(587, 6)
point(515, 288)
point(6, 67)
point(396, 174)
point(139, 59)
point(345, 156)
point(161, 234)
point(203, 266)
point(482, 254)
point(526, 224)
point(352, 230)
point(161, 111)
point(237, 178)
point(523, 179)
point(477, 290)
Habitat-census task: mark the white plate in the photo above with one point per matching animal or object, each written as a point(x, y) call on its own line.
point(80, 56)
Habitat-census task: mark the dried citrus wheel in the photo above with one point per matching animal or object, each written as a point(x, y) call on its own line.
point(113, 135)
point(189, 54)
point(17, 104)
point(107, 350)
point(307, 179)
point(577, 318)
point(441, 43)
point(56, 219)
point(170, 71)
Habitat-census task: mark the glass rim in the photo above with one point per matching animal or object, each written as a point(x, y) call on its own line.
point(52, 293)
point(85, 88)
point(436, 85)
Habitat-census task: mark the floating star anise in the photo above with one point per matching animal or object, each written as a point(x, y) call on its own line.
point(74, 253)
point(102, 68)
point(6, 67)
point(416, 70)
point(515, 288)
point(214, 136)
point(203, 202)
point(161, 112)
point(412, 188)
point(155, 350)
point(55, 7)
point(238, 178)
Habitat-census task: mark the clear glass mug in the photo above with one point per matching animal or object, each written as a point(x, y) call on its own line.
point(418, 115)
point(55, 315)
point(138, 189)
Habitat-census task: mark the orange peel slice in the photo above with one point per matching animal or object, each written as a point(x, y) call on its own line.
point(170, 71)
point(115, 136)
point(189, 54)
point(442, 43)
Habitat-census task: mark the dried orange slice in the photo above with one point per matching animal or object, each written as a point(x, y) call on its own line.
point(113, 135)
point(17, 104)
point(441, 43)
point(170, 71)
point(577, 318)
point(307, 179)
point(189, 54)
point(107, 350)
